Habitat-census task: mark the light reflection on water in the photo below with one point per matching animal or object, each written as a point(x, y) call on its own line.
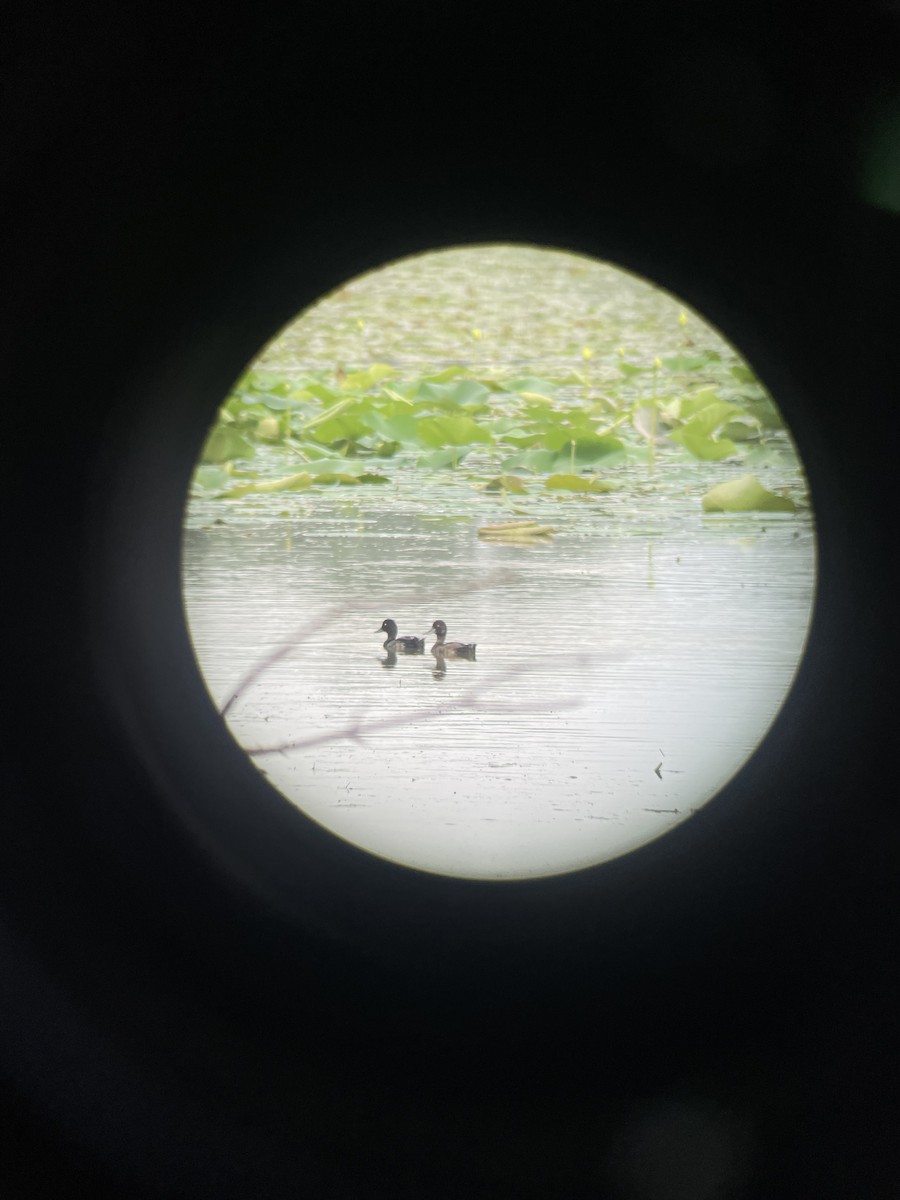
point(620, 680)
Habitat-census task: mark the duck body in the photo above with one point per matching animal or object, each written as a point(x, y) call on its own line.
point(399, 645)
point(450, 649)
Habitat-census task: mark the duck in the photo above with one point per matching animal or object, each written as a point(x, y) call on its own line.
point(401, 645)
point(450, 649)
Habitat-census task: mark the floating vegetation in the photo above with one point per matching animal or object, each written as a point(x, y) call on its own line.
point(516, 531)
point(746, 494)
point(368, 426)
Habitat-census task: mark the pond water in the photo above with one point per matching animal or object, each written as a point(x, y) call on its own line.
point(626, 666)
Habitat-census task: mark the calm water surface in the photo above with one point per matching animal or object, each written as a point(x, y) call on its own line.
point(622, 676)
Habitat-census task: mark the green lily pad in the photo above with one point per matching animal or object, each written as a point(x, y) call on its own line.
point(449, 457)
point(211, 478)
point(362, 381)
point(589, 446)
point(688, 362)
point(339, 466)
point(451, 430)
point(701, 445)
point(505, 483)
point(522, 531)
point(288, 483)
point(746, 494)
point(577, 483)
point(398, 428)
point(531, 387)
point(223, 444)
point(536, 461)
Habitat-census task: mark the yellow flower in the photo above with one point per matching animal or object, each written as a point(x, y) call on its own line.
point(586, 352)
point(682, 318)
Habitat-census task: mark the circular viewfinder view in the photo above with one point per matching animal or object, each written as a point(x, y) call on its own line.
point(499, 561)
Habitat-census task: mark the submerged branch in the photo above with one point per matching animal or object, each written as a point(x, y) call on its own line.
point(472, 700)
point(280, 652)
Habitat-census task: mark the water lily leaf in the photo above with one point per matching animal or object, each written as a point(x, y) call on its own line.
point(697, 434)
point(288, 483)
point(280, 403)
point(399, 428)
point(504, 483)
point(536, 461)
point(630, 369)
point(211, 478)
point(511, 531)
point(362, 381)
point(340, 466)
point(306, 449)
point(346, 477)
point(265, 381)
point(442, 393)
point(711, 415)
point(532, 386)
point(764, 411)
point(451, 430)
point(742, 429)
point(326, 394)
point(470, 394)
point(694, 402)
point(346, 427)
point(223, 444)
point(746, 494)
point(450, 457)
point(464, 394)
point(701, 445)
point(577, 483)
point(509, 428)
point(446, 374)
point(536, 398)
point(268, 429)
point(589, 446)
point(538, 407)
point(520, 439)
point(239, 402)
point(688, 362)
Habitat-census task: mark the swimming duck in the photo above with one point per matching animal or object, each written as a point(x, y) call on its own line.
point(450, 649)
point(399, 645)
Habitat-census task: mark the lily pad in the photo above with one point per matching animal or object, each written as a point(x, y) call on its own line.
point(504, 483)
point(516, 531)
point(223, 444)
point(746, 494)
point(577, 483)
point(455, 430)
point(211, 478)
point(701, 445)
point(450, 457)
point(288, 483)
point(362, 381)
point(336, 466)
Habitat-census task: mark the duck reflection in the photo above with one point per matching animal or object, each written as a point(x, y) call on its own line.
point(390, 659)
